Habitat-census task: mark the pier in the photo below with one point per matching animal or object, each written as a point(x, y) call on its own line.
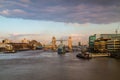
point(95, 55)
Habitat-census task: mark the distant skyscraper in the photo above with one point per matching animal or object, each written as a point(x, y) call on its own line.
point(91, 42)
point(79, 43)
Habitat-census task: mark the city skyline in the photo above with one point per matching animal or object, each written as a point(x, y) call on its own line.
point(41, 20)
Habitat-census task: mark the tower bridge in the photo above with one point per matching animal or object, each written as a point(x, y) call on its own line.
point(54, 41)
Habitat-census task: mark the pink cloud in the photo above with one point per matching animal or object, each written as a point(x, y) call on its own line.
point(18, 11)
point(5, 12)
point(25, 1)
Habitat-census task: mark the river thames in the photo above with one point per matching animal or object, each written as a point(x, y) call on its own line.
point(48, 65)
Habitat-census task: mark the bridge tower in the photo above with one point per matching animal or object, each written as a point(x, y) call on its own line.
point(53, 43)
point(70, 43)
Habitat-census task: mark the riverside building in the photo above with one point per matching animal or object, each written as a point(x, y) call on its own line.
point(99, 42)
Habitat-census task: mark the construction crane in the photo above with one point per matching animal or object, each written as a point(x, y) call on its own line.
point(116, 31)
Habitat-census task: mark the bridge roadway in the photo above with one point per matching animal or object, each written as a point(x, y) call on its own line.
point(48, 65)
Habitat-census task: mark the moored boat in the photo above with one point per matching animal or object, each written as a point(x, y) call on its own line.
point(85, 55)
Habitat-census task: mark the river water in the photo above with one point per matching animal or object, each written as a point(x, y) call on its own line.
point(38, 65)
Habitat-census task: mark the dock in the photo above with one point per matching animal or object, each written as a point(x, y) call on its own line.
point(94, 55)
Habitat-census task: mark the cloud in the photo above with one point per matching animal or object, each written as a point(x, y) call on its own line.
point(46, 38)
point(18, 11)
point(67, 11)
point(5, 12)
point(25, 1)
point(12, 12)
point(78, 25)
point(16, 37)
point(76, 37)
point(22, 36)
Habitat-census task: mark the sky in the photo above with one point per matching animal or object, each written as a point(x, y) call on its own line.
point(42, 19)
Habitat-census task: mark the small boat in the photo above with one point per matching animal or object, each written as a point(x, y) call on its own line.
point(84, 55)
point(10, 51)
